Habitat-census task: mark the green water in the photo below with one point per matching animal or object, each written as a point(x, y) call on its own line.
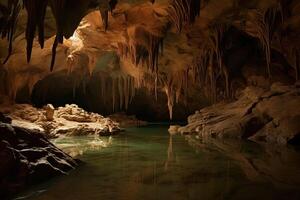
point(147, 163)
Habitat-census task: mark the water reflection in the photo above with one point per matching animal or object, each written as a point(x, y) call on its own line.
point(170, 155)
point(77, 146)
point(146, 163)
point(277, 164)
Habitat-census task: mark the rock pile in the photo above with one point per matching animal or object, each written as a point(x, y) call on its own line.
point(68, 120)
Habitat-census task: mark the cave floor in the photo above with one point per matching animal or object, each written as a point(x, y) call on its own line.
point(148, 163)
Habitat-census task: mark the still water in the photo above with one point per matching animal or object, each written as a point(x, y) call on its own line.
point(147, 163)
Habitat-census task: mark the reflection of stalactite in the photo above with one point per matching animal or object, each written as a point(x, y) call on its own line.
point(183, 12)
point(169, 153)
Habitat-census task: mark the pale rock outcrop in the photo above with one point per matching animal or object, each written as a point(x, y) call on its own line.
point(68, 120)
point(260, 115)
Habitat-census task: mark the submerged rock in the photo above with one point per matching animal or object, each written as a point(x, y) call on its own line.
point(271, 116)
point(27, 157)
point(68, 120)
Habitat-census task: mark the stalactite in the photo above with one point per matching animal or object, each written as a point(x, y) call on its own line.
point(113, 94)
point(104, 16)
point(142, 48)
point(264, 24)
point(216, 38)
point(121, 93)
point(126, 92)
point(183, 12)
point(296, 63)
point(132, 84)
point(170, 96)
point(8, 22)
point(57, 7)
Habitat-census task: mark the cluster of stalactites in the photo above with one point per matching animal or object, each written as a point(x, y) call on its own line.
point(36, 11)
point(8, 20)
point(182, 12)
point(263, 25)
point(143, 53)
point(122, 90)
point(205, 74)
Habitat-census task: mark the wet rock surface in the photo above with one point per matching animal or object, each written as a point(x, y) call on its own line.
point(68, 120)
point(27, 157)
point(260, 115)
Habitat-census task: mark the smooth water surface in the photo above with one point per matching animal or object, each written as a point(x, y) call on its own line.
point(147, 163)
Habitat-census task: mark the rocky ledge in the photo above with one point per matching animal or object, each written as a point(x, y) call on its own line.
point(68, 120)
point(261, 115)
point(27, 157)
point(127, 120)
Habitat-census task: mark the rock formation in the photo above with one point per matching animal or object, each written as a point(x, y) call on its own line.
point(263, 116)
point(27, 157)
point(68, 120)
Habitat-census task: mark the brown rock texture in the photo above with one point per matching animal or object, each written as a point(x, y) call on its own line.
point(68, 120)
point(260, 115)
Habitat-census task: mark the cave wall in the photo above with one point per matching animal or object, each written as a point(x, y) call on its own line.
point(197, 54)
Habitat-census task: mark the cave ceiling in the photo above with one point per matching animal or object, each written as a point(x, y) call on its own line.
point(162, 45)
